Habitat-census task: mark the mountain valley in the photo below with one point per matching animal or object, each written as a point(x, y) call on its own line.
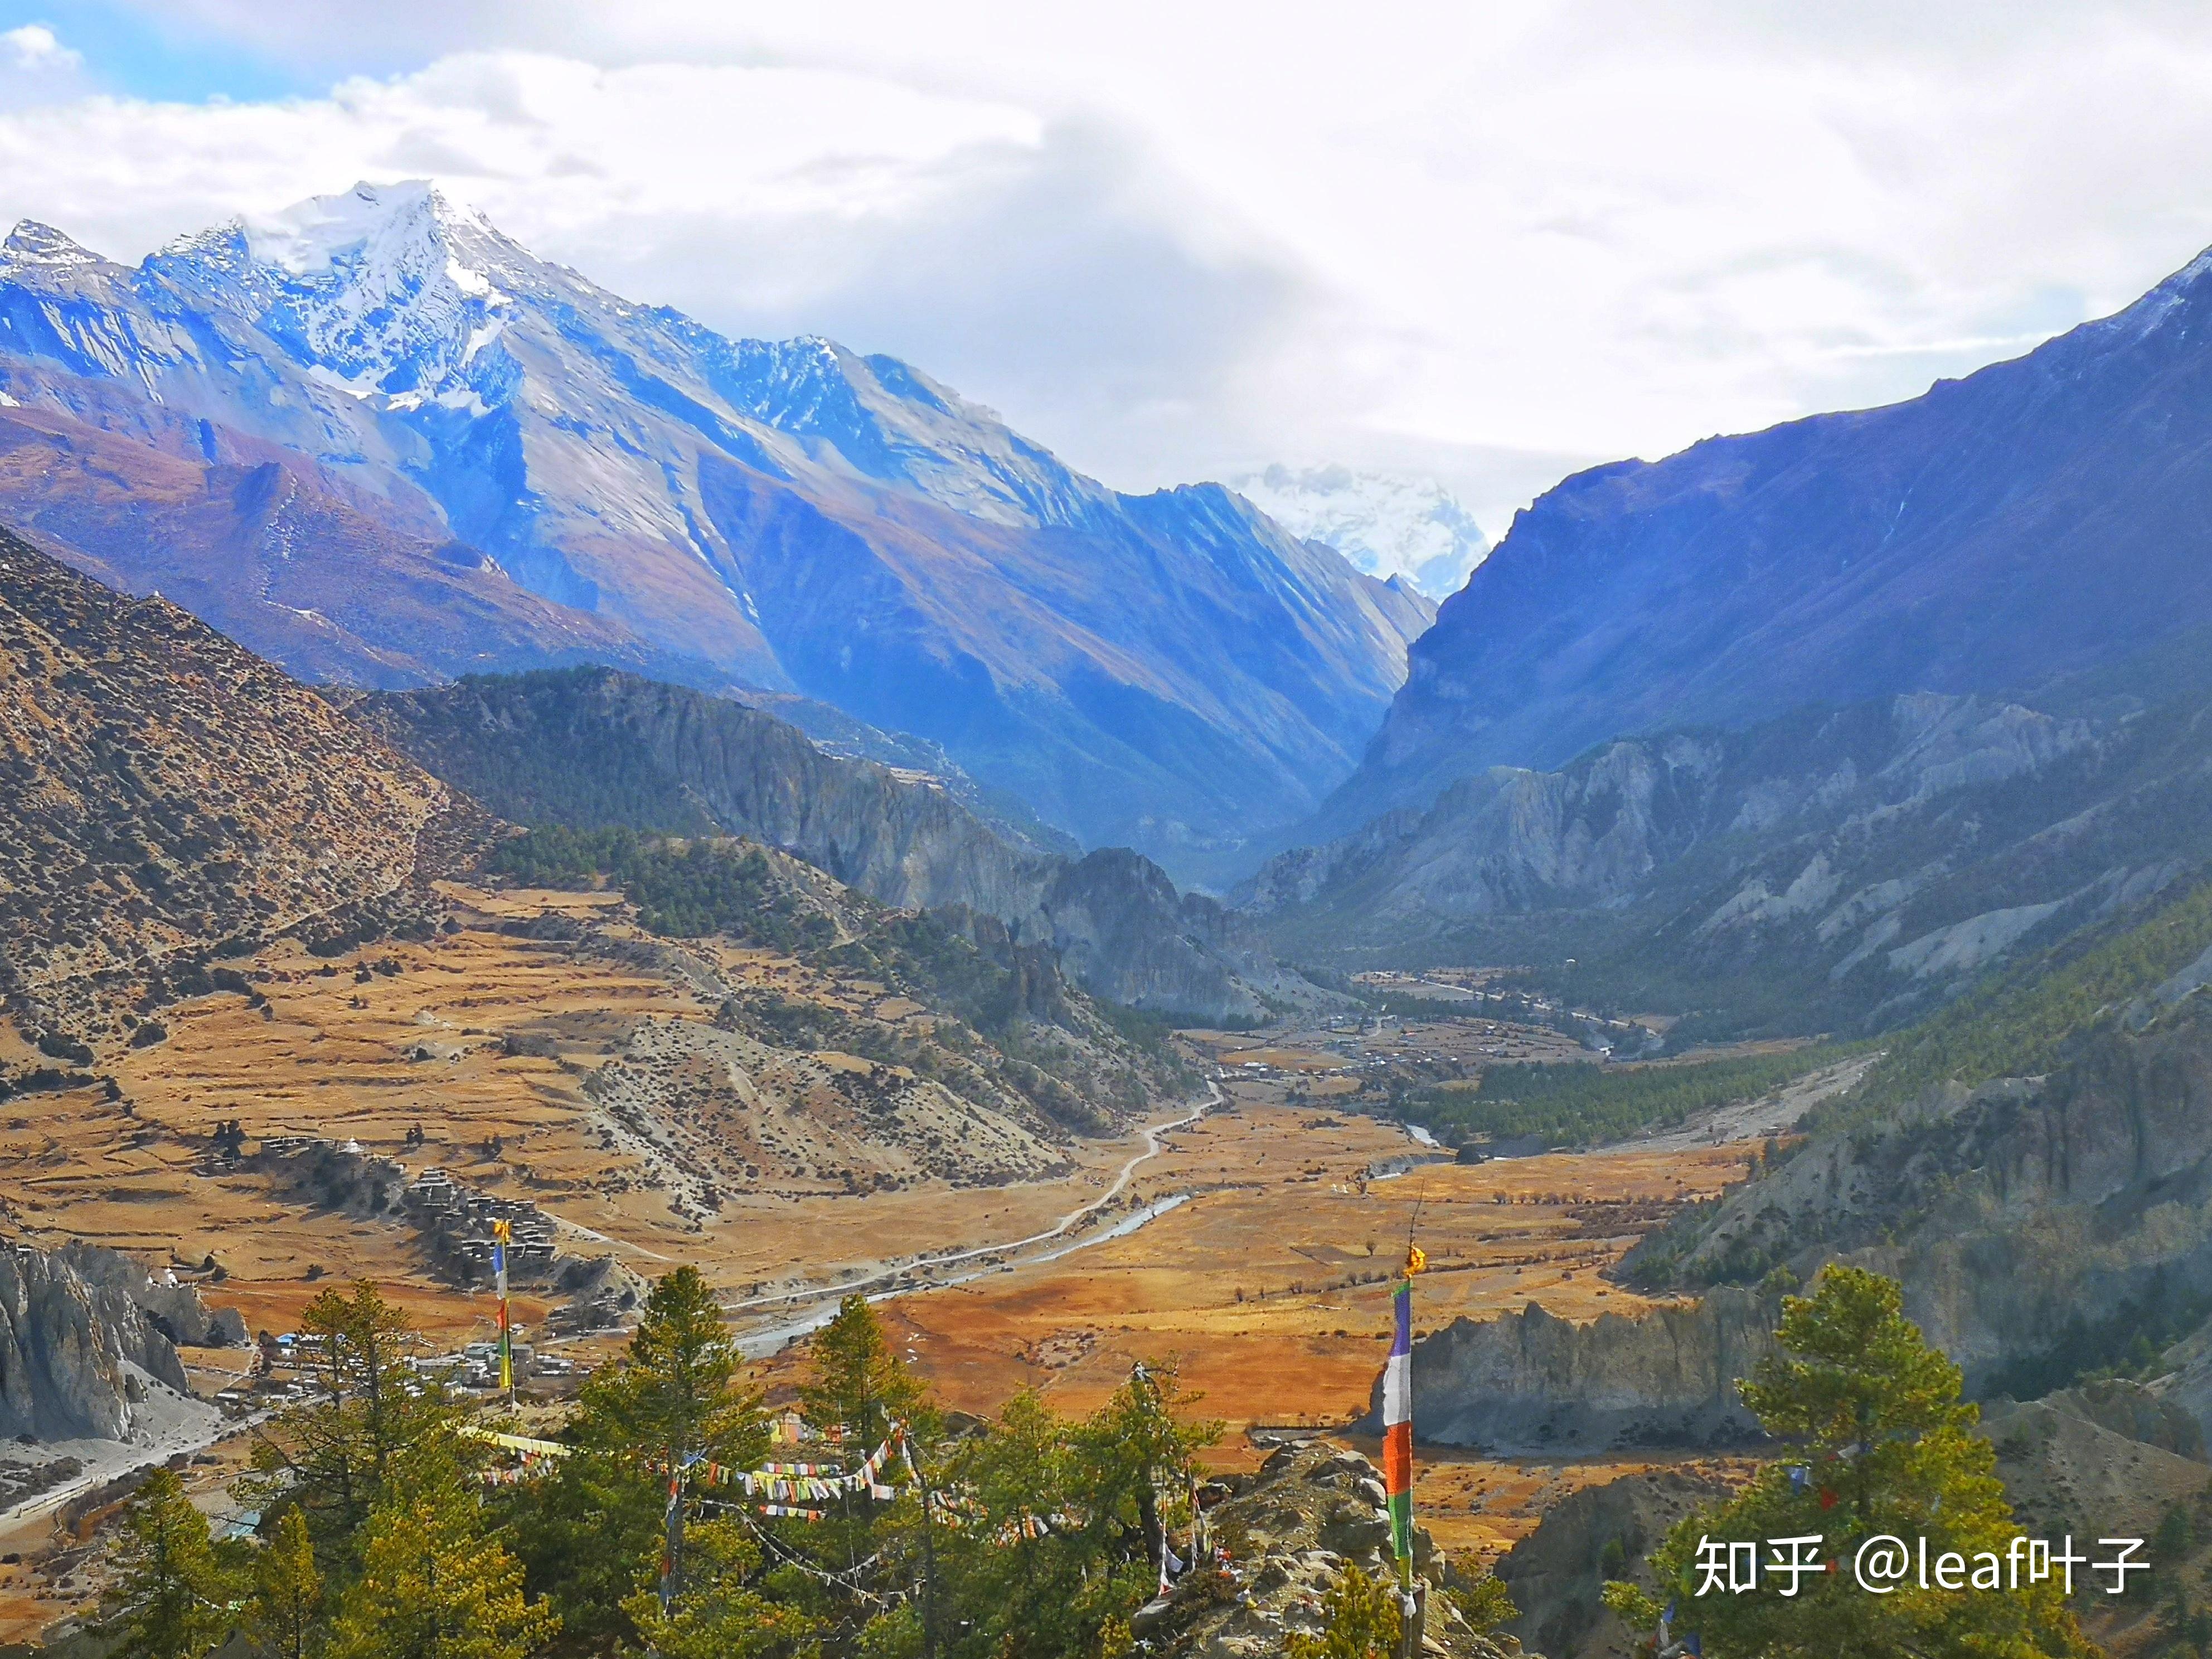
point(497, 771)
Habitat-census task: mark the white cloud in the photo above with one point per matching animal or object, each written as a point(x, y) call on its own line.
point(35, 46)
point(1174, 239)
point(37, 69)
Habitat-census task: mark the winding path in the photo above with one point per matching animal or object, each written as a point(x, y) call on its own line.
point(602, 1238)
point(1153, 1134)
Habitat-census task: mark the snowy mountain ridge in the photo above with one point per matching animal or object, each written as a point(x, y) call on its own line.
point(789, 515)
point(1385, 523)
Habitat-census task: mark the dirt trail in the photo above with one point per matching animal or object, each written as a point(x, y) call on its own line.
point(1770, 1115)
point(767, 1341)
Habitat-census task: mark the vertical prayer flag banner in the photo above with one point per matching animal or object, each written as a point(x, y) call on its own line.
point(501, 1236)
point(1398, 1426)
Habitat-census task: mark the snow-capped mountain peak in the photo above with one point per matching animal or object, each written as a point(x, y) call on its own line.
point(385, 289)
point(384, 229)
point(32, 246)
point(1385, 523)
point(786, 513)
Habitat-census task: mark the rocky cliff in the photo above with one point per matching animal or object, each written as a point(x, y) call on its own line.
point(72, 1323)
point(593, 748)
point(169, 793)
point(1532, 1384)
point(2040, 1226)
point(1831, 869)
point(1598, 830)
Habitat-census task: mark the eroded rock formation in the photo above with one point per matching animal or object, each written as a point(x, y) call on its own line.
point(1533, 1382)
point(72, 1323)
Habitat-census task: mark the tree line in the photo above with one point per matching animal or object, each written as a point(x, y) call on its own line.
point(1579, 1103)
point(377, 1535)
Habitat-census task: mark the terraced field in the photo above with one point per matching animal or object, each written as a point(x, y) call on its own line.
point(539, 1065)
point(537, 1056)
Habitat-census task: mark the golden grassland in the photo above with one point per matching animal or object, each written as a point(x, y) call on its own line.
point(1271, 1289)
point(1268, 1285)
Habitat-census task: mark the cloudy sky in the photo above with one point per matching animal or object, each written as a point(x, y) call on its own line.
point(1484, 241)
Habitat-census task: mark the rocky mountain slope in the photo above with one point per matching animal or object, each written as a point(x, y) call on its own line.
point(2038, 517)
point(2039, 1225)
point(848, 1042)
point(1843, 869)
point(1309, 1514)
point(74, 1323)
point(171, 796)
point(593, 749)
point(265, 545)
point(1170, 669)
point(2045, 1226)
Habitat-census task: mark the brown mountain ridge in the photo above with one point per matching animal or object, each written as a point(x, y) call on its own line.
point(171, 794)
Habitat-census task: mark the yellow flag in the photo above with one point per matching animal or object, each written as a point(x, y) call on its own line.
point(1416, 1259)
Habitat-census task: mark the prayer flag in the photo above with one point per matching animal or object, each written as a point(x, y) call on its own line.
point(501, 1234)
point(1398, 1427)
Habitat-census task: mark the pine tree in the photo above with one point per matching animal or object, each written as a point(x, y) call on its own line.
point(717, 1615)
point(1023, 1571)
point(676, 1392)
point(598, 1528)
point(1485, 1604)
point(1884, 1445)
point(434, 1585)
point(1133, 1455)
point(175, 1597)
point(857, 1379)
point(285, 1619)
point(340, 1455)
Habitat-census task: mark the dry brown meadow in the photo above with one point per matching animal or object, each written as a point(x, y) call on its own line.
point(1268, 1285)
